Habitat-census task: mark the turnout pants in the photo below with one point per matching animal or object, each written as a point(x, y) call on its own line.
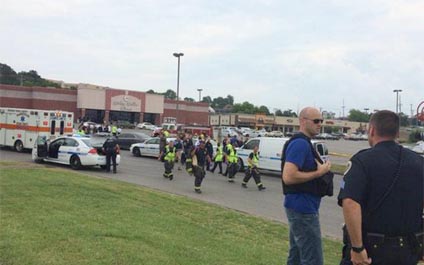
point(232, 170)
point(253, 172)
point(199, 174)
point(169, 165)
point(215, 164)
point(110, 156)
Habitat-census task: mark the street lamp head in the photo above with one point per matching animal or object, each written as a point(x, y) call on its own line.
point(178, 54)
point(397, 90)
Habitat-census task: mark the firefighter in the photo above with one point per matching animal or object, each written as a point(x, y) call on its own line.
point(252, 170)
point(227, 150)
point(188, 147)
point(169, 159)
point(232, 163)
point(218, 159)
point(200, 157)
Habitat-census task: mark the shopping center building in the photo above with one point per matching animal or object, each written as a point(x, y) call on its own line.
point(99, 104)
point(283, 124)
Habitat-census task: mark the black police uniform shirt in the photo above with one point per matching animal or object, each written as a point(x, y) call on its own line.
point(201, 156)
point(110, 144)
point(370, 173)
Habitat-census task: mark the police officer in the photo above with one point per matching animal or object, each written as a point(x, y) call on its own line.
point(169, 154)
point(200, 157)
point(382, 198)
point(111, 149)
point(252, 170)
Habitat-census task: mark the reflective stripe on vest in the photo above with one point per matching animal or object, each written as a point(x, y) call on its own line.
point(219, 155)
point(170, 156)
point(233, 156)
point(255, 161)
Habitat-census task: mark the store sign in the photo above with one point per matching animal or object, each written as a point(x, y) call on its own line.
point(126, 103)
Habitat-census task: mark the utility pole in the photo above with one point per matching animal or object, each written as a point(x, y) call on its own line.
point(343, 107)
point(397, 99)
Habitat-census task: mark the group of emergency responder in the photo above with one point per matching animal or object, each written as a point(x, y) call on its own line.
point(198, 157)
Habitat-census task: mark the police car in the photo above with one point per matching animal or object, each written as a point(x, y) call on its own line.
point(149, 148)
point(75, 151)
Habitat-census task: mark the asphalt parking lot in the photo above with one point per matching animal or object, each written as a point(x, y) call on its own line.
point(148, 172)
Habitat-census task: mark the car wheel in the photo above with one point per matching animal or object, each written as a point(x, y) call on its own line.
point(240, 165)
point(75, 162)
point(103, 167)
point(19, 146)
point(136, 151)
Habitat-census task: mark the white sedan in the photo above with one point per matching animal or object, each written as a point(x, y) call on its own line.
point(149, 148)
point(70, 150)
point(146, 125)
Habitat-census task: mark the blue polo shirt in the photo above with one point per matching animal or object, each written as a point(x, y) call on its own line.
point(299, 153)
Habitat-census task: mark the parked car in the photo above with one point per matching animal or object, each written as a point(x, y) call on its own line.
point(146, 125)
point(270, 149)
point(125, 140)
point(70, 150)
point(419, 148)
point(124, 125)
point(274, 134)
point(150, 147)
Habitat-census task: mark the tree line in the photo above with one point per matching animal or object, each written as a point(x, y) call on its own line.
point(220, 104)
point(8, 76)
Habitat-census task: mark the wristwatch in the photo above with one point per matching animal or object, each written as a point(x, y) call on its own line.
point(358, 249)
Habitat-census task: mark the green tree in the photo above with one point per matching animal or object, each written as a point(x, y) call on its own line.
point(263, 109)
point(170, 94)
point(151, 91)
point(358, 116)
point(207, 99)
point(289, 113)
point(403, 119)
point(7, 75)
point(189, 99)
point(278, 112)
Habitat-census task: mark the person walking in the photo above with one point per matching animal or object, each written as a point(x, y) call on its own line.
point(188, 147)
point(169, 155)
point(301, 170)
point(382, 198)
point(209, 149)
point(111, 149)
point(232, 160)
point(218, 159)
point(252, 171)
point(200, 157)
point(227, 150)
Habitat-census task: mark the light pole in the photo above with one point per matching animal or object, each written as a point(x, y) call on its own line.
point(178, 55)
point(200, 93)
point(397, 99)
point(366, 110)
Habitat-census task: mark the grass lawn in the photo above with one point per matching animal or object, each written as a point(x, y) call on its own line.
point(55, 216)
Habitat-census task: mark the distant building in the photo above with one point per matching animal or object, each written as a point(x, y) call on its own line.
point(99, 104)
point(284, 124)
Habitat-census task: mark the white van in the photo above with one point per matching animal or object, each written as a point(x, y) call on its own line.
point(270, 150)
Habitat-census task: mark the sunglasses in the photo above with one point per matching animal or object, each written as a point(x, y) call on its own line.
point(316, 121)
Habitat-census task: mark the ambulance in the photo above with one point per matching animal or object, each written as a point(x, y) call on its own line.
point(19, 128)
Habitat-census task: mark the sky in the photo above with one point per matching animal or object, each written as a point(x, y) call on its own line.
point(282, 54)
